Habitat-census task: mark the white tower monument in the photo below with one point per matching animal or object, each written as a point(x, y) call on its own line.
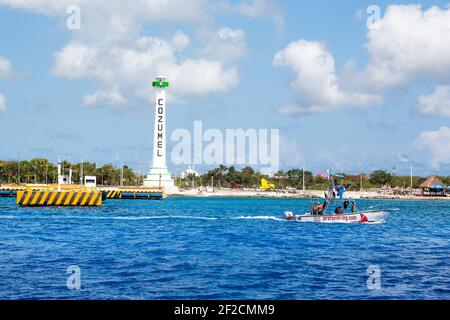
point(159, 176)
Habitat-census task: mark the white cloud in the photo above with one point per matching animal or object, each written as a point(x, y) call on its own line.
point(5, 72)
point(123, 15)
point(110, 49)
point(180, 41)
point(224, 45)
point(436, 103)
point(200, 77)
point(409, 44)
point(132, 65)
point(42, 6)
point(263, 8)
point(149, 10)
point(438, 145)
point(112, 97)
point(77, 60)
point(5, 68)
point(316, 85)
point(2, 103)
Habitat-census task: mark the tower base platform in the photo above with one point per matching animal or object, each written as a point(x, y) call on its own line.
point(160, 178)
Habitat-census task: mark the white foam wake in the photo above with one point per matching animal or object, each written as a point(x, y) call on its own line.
point(139, 217)
point(7, 217)
point(107, 218)
point(259, 217)
point(162, 217)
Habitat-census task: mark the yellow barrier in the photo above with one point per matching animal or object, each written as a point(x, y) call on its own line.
point(135, 193)
point(113, 194)
point(59, 198)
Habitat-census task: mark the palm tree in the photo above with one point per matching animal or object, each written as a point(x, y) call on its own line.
point(220, 172)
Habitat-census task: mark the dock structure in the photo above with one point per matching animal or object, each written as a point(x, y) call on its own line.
point(8, 191)
point(34, 198)
point(67, 194)
point(73, 195)
point(144, 193)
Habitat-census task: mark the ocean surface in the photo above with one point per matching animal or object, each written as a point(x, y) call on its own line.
point(220, 248)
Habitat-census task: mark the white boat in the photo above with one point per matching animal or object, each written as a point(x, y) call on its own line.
point(369, 216)
point(337, 209)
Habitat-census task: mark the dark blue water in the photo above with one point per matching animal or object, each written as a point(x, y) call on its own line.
point(188, 248)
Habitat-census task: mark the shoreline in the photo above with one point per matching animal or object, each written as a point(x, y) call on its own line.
point(312, 194)
point(236, 193)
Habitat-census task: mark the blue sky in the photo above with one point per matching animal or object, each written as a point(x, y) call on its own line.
point(99, 107)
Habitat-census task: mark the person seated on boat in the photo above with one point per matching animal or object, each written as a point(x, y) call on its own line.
point(323, 206)
point(313, 209)
point(316, 208)
point(346, 203)
point(353, 203)
point(339, 210)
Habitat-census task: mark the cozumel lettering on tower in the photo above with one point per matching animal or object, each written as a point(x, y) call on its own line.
point(159, 175)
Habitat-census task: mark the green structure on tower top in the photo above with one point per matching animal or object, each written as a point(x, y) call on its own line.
point(160, 82)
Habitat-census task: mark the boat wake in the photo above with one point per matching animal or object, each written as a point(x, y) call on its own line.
point(379, 222)
point(54, 217)
point(8, 217)
point(162, 217)
point(260, 218)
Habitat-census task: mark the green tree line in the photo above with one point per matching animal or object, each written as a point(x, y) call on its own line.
point(40, 170)
point(230, 177)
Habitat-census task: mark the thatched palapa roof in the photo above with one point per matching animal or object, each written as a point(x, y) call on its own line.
point(431, 181)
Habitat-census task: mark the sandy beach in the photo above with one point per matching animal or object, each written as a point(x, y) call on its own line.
point(223, 192)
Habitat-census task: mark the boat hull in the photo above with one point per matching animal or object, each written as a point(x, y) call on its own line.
point(359, 217)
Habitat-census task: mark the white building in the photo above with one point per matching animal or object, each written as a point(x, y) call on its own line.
point(90, 181)
point(189, 172)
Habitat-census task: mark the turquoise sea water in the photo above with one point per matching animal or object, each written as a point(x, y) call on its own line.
point(219, 248)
